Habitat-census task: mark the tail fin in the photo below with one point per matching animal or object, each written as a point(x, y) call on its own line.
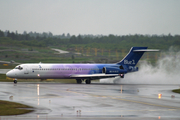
point(134, 55)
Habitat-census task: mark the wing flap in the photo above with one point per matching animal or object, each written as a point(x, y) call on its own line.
point(93, 75)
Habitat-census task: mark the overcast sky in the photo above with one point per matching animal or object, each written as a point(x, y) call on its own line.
point(118, 17)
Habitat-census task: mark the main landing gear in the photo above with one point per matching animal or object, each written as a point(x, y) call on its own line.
point(88, 81)
point(79, 81)
point(15, 81)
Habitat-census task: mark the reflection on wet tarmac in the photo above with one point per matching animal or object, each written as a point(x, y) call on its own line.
point(121, 89)
point(93, 101)
point(38, 89)
point(38, 93)
point(38, 101)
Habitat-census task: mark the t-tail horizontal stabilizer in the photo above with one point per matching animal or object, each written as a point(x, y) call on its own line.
point(146, 50)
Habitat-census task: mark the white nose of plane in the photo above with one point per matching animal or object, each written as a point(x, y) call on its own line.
point(10, 74)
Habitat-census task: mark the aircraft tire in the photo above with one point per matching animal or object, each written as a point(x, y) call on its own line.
point(88, 81)
point(15, 81)
point(79, 81)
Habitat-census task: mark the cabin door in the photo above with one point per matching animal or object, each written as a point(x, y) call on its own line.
point(26, 71)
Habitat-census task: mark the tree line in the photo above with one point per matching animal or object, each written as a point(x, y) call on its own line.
point(108, 42)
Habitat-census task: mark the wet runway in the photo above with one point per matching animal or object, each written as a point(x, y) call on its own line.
point(94, 101)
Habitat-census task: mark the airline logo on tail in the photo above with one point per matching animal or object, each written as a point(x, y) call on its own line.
point(131, 62)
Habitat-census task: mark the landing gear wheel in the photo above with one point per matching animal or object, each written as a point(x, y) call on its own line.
point(79, 81)
point(15, 81)
point(88, 81)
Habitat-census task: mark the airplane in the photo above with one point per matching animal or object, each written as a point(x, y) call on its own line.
point(80, 72)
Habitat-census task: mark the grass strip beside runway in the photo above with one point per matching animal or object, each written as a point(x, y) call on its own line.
point(12, 108)
point(176, 91)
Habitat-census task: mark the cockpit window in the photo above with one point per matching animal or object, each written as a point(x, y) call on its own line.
point(18, 67)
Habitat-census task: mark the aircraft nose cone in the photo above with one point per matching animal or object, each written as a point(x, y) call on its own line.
point(10, 74)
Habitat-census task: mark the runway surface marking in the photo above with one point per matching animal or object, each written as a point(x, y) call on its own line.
point(151, 104)
point(44, 97)
point(132, 110)
point(133, 101)
point(112, 97)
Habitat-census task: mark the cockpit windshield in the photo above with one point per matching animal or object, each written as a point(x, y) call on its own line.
point(18, 67)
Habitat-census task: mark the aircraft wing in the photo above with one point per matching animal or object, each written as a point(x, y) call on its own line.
point(94, 76)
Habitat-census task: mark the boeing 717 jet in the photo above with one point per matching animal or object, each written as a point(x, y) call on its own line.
point(80, 72)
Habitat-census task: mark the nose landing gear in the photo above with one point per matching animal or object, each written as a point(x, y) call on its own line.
point(15, 81)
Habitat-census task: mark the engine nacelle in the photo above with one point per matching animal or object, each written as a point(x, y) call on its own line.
point(113, 70)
